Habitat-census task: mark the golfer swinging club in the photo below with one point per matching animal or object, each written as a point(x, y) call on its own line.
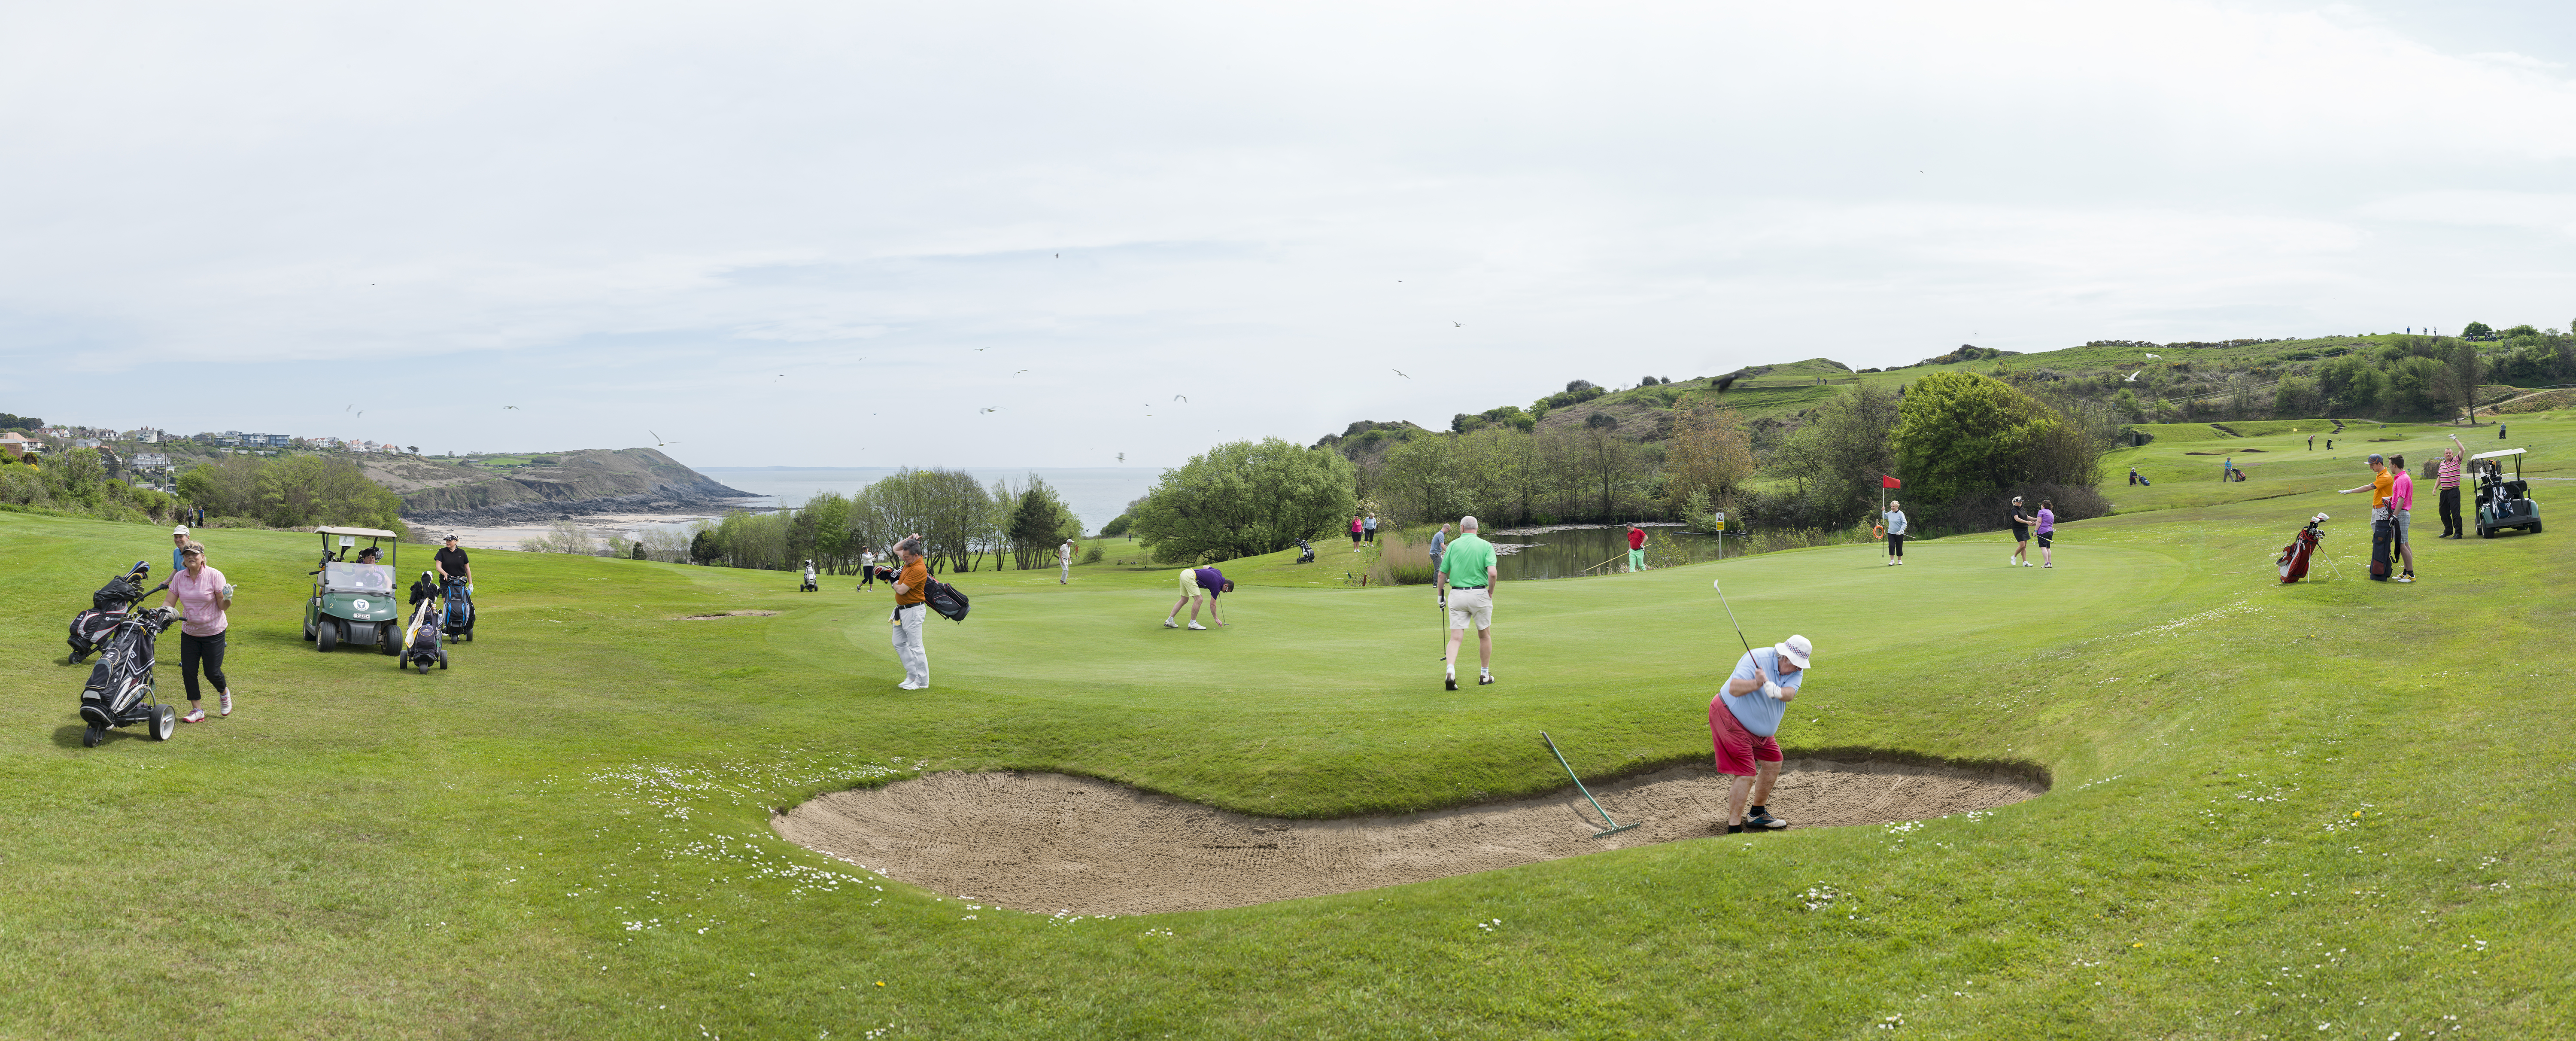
point(1742, 720)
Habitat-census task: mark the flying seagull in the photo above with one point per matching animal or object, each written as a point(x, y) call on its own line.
point(1182, 398)
point(1122, 457)
point(1015, 375)
point(657, 439)
point(1399, 372)
point(1461, 325)
point(2151, 356)
point(983, 410)
point(506, 408)
point(2133, 376)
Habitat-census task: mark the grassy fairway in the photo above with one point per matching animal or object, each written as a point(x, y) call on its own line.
point(2274, 808)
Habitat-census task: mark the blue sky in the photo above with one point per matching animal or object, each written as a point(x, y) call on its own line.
point(831, 235)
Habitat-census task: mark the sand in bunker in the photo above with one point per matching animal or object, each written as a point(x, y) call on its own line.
point(1048, 842)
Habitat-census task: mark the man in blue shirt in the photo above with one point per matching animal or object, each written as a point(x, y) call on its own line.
point(1742, 721)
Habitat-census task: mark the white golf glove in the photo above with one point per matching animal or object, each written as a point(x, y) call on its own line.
point(1771, 690)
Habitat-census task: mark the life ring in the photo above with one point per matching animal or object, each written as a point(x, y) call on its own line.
point(1878, 531)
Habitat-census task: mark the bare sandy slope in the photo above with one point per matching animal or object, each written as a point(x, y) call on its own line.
point(1048, 842)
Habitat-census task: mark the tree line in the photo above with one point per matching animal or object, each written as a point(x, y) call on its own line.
point(963, 523)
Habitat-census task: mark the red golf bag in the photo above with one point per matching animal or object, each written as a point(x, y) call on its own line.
point(2293, 559)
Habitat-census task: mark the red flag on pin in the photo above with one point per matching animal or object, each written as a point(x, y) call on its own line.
point(1885, 481)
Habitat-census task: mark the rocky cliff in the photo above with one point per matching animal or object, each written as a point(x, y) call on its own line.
point(546, 486)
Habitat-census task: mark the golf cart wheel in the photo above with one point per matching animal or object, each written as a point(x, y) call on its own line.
point(91, 736)
point(164, 722)
point(327, 636)
point(385, 638)
point(2486, 533)
point(2535, 527)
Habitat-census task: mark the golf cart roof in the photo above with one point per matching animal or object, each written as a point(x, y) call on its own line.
point(391, 535)
point(2498, 452)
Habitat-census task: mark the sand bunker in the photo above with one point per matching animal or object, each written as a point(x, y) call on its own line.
point(1048, 842)
point(727, 614)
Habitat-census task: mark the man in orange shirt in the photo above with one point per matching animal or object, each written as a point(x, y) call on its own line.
point(911, 590)
point(2383, 523)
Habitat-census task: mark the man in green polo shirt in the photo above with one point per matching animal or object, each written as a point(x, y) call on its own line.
point(1467, 577)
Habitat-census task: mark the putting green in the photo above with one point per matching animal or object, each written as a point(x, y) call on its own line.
point(2271, 807)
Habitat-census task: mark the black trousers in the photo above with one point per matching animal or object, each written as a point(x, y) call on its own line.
point(2451, 523)
point(1896, 546)
point(205, 652)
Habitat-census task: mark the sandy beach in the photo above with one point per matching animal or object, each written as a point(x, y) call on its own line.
point(619, 526)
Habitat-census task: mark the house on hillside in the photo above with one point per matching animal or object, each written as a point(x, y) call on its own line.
point(151, 460)
point(19, 445)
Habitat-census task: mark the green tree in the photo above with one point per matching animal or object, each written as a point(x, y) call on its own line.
point(1116, 527)
point(2476, 329)
point(78, 477)
point(1039, 522)
point(1708, 456)
point(1836, 457)
point(2295, 397)
point(1960, 434)
point(1243, 498)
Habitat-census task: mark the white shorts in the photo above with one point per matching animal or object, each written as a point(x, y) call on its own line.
point(1471, 608)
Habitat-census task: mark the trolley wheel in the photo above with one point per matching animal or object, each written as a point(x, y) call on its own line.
point(164, 722)
point(442, 659)
point(91, 736)
point(424, 666)
point(327, 636)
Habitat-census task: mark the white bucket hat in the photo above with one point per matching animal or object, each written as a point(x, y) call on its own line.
point(1796, 649)
point(180, 530)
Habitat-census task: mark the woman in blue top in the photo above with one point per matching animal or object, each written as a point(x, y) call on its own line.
point(1894, 518)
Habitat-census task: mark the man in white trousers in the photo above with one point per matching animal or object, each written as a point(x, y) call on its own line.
point(911, 593)
point(1064, 557)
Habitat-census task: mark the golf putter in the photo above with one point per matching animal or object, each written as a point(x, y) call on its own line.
point(1615, 826)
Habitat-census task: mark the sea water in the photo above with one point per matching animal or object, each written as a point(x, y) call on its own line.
point(1095, 494)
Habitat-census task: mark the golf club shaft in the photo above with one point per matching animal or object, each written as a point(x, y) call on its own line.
point(1730, 617)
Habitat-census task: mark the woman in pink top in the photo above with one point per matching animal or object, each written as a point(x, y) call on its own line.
point(2401, 505)
point(202, 597)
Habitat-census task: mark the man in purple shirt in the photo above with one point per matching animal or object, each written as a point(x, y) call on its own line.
point(1197, 582)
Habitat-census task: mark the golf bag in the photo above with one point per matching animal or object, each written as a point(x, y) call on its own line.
point(947, 600)
point(807, 585)
point(107, 607)
point(460, 608)
point(1305, 553)
point(2383, 538)
point(119, 690)
point(421, 643)
point(2293, 559)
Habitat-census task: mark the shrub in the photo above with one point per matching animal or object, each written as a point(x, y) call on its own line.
point(1093, 555)
point(1244, 498)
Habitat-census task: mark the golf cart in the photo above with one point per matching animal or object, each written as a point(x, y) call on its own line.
point(2503, 503)
point(354, 598)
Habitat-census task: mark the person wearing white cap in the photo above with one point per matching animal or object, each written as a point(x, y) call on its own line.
point(178, 544)
point(1743, 720)
point(1064, 560)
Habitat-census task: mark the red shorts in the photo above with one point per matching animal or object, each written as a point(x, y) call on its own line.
point(1737, 748)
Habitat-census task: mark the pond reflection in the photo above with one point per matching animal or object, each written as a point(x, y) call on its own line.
point(1574, 552)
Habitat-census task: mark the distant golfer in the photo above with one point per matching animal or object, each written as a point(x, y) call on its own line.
point(1439, 545)
point(911, 596)
point(2021, 534)
point(2227, 470)
point(1064, 557)
point(2382, 528)
point(1372, 529)
point(2312, 445)
point(1636, 548)
point(867, 569)
point(2046, 529)
point(1743, 720)
point(179, 543)
point(1894, 518)
point(1467, 577)
point(1355, 533)
point(1195, 583)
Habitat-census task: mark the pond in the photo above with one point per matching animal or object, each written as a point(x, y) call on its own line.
point(1527, 553)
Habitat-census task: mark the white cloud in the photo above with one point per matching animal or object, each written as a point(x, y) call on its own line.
point(632, 212)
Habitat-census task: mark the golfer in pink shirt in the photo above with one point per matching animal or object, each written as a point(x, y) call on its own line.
point(202, 596)
point(2401, 504)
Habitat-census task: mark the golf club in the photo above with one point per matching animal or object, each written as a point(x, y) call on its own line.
point(1730, 616)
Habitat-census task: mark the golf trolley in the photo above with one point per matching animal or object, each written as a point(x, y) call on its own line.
point(91, 629)
point(422, 645)
point(807, 585)
point(353, 600)
point(1305, 553)
point(459, 595)
point(119, 691)
point(2503, 503)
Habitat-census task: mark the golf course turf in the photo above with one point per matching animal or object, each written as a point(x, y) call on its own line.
point(2335, 809)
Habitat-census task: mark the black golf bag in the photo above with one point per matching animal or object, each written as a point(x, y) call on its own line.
point(1305, 553)
point(947, 600)
point(107, 607)
point(119, 691)
point(2383, 539)
point(460, 608)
